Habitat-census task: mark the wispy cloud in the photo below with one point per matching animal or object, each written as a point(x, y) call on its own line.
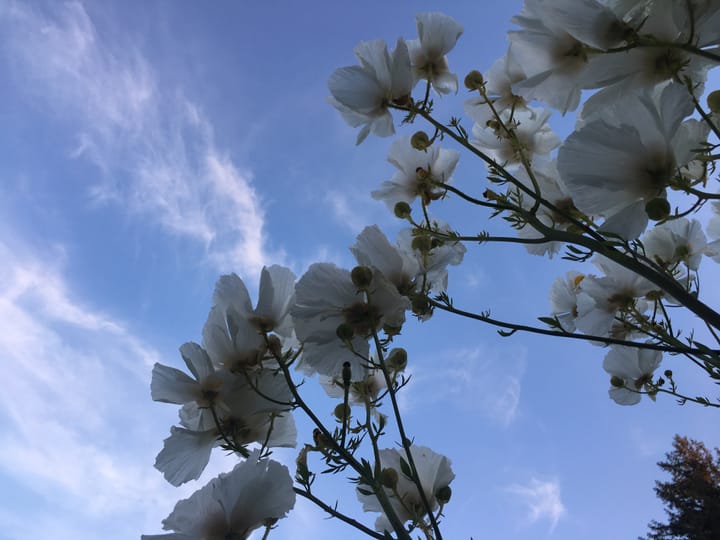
point(483, 379)
point(542, 499)
point(155, 147)
point(74, 426)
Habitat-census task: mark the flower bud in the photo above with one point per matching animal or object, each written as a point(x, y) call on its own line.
point(422, 243)
point(274, 345)
point(361, 277)
point(420, 140)
point(389, 477)
point(345, 332)
point(668, 374)
point(402, 210)
point(420, 306)
point(397, 359)
point(474, 80)
point(713, 101)
point(658, 208)
point(443, 495)
point(617, 382)
point(342, 412)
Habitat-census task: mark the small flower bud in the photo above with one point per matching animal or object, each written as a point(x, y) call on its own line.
point(402, 210)
point(422, 243)
point(617, 382)
point(420, 306)
point(274, 345)
point(420, 140)
point(389, 477)
point(345, 332)
point(668, 374)
point(342, 412)
point(474, 80)
point(361, 277)
point(397, 359)
point(443, 495)
point(713, 101)
point(658, 208)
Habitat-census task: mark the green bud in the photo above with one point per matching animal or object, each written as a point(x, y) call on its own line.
point(713, 101)
point(668, 374)
point(361, 277)
point(397, 359)
point(658, 208)
point(474, 80)
point(617, 382)
point(342, 412)
point(420, 140)
point(345, 332)
point(389, 477)
point(402, 210)
point(422, 243)
point(443, 495)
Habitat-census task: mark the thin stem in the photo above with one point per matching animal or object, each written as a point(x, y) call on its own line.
point(336, 513)
point(404, 439)
point(534, 330)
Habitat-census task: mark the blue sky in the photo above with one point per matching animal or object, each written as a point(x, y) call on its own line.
point(145, 149)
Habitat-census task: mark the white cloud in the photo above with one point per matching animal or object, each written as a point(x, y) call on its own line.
point(154, 146)
point(483, 379)
point(77, 429)
point(542, 499)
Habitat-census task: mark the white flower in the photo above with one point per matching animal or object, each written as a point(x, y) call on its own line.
point(433, 263)
point(209, 387)
point(534, 137)
point(374, 250)
point(417, 169)
point(551, 48)
point(677, 241)
point(631, 369)
point(434, 473)
point(248, 418)
point(563, 299)
point(438, 35)
point(601, 299)
point(362, 93)
point(254, 494)
point(615, 165)
point(326, 298)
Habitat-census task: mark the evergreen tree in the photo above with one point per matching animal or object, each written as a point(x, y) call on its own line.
point(692, 496)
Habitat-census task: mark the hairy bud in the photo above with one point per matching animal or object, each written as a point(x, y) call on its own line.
point(443, 495)
point(713, 101)
point(420, 140)
point(361, 277)
point(389, 477)
point(658, 209)
point(402, 210)
point(474, 80)
point(397, 359)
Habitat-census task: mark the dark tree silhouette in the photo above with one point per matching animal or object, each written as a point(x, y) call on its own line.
point(692, 496)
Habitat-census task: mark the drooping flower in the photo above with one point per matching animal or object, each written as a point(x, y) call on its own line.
point(256, 493)
point(435, 475)
point(438, 35)
point(328, 303)
point(631, 370)
point(563, 299)
point(363, 93)
point(417, 169)
point(677, 241)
